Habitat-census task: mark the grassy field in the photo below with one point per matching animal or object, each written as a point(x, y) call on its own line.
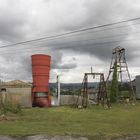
point(119, 120)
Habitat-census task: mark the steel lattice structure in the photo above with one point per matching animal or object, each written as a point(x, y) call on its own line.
point(82, 99)
point(119, 59)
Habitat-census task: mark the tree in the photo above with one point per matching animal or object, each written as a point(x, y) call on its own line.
point(114, 85)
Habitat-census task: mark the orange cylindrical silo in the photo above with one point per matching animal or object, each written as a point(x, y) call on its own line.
point(40, 74)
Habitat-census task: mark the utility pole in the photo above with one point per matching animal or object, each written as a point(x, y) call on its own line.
point(58, 89)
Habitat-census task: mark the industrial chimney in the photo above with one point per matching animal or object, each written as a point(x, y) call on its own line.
point(40, 73)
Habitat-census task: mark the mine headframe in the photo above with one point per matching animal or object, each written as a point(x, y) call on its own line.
point(119, 73)
point(82, 100)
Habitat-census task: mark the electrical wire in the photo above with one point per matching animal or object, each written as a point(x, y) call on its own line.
point(91, 32)
point(97, 39)
point(67, 46)
point(72, 32)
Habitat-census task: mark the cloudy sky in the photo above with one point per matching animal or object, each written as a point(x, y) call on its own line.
point(74, 54)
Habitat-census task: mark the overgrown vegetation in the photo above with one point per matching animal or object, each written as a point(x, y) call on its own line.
point(8, 104)
point(114, 85)
point(93, 121)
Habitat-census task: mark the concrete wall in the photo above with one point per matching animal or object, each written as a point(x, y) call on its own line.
point(21, 96)
point(68, 99)
point(64, 100)
point(138, 87)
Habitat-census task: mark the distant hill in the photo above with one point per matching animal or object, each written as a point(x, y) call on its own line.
point(16, 83)
point(73, 85)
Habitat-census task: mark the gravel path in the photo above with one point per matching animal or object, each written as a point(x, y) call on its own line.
point(47, 137)
point(43, 137)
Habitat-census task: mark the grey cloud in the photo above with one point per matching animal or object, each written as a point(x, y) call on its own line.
point(67, 66)
point(100, 12)
point(13, 20)
point(19, 66)
point(16, 68)
point(21, 21)
point(57, 62)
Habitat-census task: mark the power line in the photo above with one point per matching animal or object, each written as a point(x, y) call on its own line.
point(85, 40)
point(97, 39)
point(72, 32)
point(90, 32)
point(89, 43)
point(81, 33)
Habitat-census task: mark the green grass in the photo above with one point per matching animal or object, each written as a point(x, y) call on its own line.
point(119, 120)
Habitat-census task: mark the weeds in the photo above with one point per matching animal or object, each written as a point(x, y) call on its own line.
point(8, 104)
